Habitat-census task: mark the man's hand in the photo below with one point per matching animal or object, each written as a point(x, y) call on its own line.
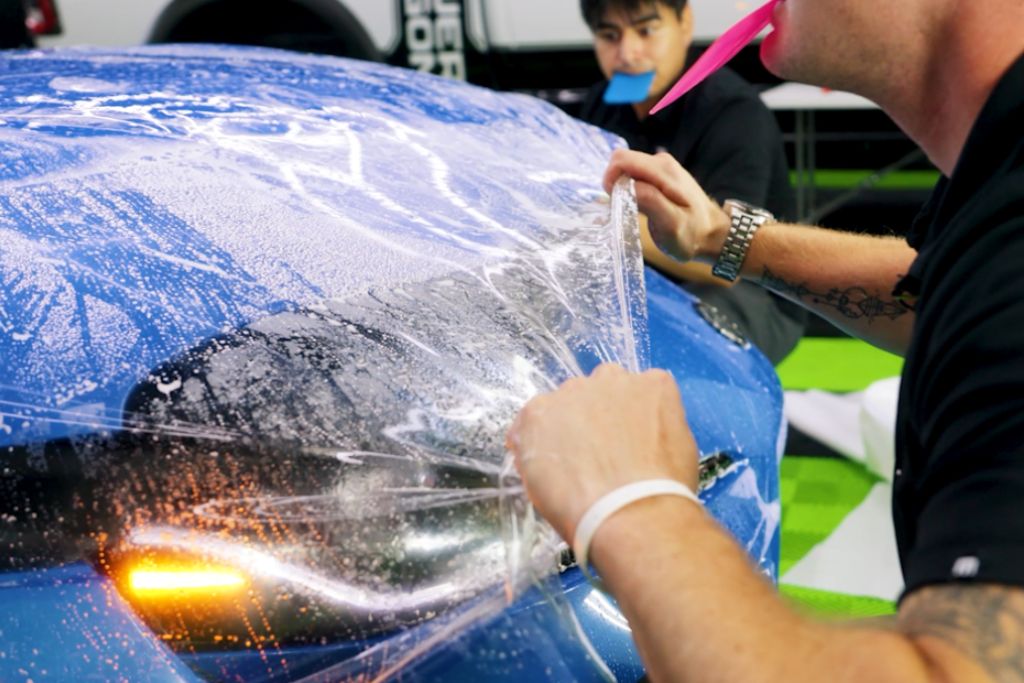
point(690, 271)
point(596, 434)
point(846, 278)
point(697, 610)
point(684, 222)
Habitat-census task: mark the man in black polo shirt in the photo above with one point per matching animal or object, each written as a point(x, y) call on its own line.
point(721, 132)
point(950, 298)
point(13, 31)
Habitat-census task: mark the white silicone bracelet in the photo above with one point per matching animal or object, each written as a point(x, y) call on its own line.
point(610, 503)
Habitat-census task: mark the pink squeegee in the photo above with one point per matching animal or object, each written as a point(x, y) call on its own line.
point(720, 52)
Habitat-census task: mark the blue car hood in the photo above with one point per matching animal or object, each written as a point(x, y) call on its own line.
point(275, 312)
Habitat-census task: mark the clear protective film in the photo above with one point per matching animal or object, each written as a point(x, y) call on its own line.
point(266, 320)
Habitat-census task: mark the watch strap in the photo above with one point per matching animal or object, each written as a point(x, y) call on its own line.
point(744, 221)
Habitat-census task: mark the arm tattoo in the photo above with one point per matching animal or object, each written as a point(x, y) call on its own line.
point(852, 302)
point(985, 622)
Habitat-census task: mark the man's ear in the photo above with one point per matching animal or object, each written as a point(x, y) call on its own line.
point(687, 21)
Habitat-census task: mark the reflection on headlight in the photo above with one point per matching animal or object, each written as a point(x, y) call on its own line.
point(263, 567)
point(146, 581)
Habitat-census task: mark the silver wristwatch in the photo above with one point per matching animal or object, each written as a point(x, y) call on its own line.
point(744, 220)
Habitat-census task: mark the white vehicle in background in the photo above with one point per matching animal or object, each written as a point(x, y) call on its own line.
point(534, 45)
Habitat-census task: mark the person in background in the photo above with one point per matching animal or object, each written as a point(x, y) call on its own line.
point(950, 297)
point(14, 31)
point(721, 132)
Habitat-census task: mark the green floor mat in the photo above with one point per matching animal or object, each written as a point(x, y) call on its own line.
point(816, 494)
point(826, 604)
point(836, 364)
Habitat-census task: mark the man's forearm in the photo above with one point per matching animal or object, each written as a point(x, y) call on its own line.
point(701, 613)
point(846, 278)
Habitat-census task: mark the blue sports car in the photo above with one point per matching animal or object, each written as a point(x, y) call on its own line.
point(265, 320)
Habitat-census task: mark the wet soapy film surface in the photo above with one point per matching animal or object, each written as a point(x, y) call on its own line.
point(265, 322)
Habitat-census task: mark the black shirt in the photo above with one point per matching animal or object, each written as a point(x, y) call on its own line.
point(958, 500)
point(729, 141)
point(13, 31)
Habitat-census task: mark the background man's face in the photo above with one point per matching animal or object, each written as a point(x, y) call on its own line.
point(652, 38)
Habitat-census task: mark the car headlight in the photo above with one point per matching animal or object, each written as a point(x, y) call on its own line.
point(385, 543)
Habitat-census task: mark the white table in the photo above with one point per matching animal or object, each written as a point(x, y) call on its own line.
point(800, 97)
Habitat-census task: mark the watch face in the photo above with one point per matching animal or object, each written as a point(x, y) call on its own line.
point(744, 207)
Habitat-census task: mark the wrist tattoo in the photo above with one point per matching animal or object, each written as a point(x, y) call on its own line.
point(853, 302)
